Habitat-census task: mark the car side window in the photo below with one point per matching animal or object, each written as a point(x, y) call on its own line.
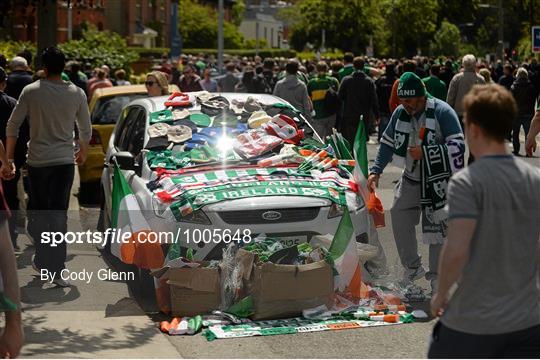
point(135, 141)
point(125, 127)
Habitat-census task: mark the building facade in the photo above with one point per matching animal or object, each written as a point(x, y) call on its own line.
point(141, 22)
point(24, 20)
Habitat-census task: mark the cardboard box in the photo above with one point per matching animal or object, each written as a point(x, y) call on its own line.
point(283, 291)
point(194, 291)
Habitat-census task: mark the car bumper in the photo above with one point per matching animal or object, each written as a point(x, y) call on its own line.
point(207, 241)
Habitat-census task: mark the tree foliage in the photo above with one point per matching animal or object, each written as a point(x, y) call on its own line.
point(11, 48)
point(99, 48)
point(447, 40)
point(199, 27)
point(347, 24)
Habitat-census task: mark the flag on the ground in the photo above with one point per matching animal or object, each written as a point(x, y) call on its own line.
point(345, 257)
point(128, 218)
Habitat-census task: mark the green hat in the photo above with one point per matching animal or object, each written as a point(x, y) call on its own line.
point(410, 85)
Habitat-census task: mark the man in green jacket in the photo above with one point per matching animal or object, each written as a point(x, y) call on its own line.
point(434, 85)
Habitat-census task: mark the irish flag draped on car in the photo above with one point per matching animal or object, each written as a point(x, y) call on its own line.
point(137, 248)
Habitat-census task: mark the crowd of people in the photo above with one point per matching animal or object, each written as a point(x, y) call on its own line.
point(422, 111)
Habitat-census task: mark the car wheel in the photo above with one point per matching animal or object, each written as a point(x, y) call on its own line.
point(89, 193)
point(146, 291)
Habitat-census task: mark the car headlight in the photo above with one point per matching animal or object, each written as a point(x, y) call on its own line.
point(196, 217)
point(335, 211)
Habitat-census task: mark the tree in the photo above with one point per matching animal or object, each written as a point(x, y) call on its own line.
point(99, 48)
point(447, 40)
point(347, 24)
point(198, 27)
point(412, 23)
point(238, 10)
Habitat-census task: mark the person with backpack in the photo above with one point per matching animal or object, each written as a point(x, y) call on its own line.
point(524, 93)
point(322, 90)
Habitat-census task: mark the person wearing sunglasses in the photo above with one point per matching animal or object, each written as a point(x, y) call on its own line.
point(156, 83)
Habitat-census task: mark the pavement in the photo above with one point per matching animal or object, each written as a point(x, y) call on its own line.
point(102, 319)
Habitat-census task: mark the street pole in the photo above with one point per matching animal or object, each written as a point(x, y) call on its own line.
point(220, 37)
point(256, 37)
point(501, 29)
point(70, 21)
point(393, 29)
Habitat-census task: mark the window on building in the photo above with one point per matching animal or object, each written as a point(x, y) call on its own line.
point(272, 37)
point(265, 33)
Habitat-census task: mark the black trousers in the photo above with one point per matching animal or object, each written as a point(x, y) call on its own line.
point(50, 188)
point(448, 343)
point(12, 200)
point(524, 121)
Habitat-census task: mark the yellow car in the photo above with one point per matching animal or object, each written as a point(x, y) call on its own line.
point(105, 108)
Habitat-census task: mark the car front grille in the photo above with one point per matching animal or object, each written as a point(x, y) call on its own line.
point(251, 217)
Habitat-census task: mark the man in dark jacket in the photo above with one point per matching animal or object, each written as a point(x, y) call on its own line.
point(507, 79)
point(18, 78)
point(268, 76)
point(524, 93)
point(359, 97)
point(7, 104)
point(15, 83)
point(384, 91)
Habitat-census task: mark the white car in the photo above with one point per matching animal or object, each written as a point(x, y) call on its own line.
point(291, 219)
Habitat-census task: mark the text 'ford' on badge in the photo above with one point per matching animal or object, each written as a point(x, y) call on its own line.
point(271, 215)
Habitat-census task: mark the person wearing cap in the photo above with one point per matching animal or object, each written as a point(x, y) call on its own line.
point(18, 78)
point(440, 149)
point(51, 153)
point(156, 83)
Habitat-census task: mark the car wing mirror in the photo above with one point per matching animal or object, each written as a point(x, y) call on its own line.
point(125, 160)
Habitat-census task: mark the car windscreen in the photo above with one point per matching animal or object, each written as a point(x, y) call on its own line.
point(108, 108)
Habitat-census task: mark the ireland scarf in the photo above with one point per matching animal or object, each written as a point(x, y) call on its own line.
point(403, 129)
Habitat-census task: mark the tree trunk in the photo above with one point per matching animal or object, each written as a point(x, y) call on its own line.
point(47, 26)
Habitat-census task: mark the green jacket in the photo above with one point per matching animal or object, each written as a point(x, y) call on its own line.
point(317, 88)
point(435, 87)
point(344, 71)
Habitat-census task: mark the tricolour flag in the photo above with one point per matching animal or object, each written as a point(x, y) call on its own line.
point(127, 217)
point(348, 279)
point(360, 174)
